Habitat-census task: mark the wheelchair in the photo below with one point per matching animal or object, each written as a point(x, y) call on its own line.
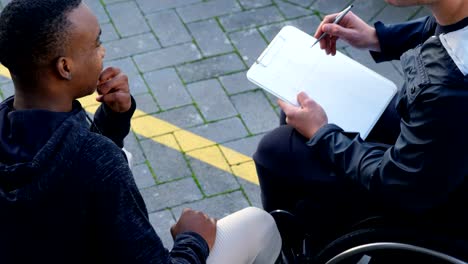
point(378, 241)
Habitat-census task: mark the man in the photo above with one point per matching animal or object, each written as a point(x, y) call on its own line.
point(67, 194)
point(415, 161)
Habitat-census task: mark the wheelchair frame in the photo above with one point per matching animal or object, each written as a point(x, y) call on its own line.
point(332, 254)
point(392, 245)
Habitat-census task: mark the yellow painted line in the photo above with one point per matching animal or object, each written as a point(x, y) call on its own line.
point(168, 140)
point(4, 72)
point(181, 140)
point(185, 141)
point(246, 171)
point(212, 154)
point(233, 156)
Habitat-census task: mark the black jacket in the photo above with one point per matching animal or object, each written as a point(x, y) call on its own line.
point(427, 167)
point(67, 194)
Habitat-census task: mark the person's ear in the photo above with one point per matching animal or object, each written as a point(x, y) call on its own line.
point(64, 67)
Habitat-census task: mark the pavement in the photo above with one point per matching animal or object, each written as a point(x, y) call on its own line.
point(199, 120)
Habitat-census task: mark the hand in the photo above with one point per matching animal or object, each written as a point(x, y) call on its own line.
point(308, 118)
point(198, 222)
point(113, 90)
point(351, 28)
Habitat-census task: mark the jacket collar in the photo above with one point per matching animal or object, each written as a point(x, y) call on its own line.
point(456, 43)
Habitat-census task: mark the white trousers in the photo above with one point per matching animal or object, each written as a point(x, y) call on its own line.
point(244, 237)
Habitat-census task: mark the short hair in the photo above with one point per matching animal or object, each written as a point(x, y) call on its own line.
point(33, 33)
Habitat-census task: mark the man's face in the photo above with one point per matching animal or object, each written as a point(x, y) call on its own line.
point(85, 50)
point(411, 2)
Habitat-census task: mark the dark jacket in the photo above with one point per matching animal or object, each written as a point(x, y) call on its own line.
point(67, 194)
point(427, 167)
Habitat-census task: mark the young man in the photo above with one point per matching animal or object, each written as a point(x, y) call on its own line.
point(414, 162)
point(67, 194)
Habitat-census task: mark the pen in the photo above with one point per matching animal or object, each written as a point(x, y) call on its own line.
point(338, 18)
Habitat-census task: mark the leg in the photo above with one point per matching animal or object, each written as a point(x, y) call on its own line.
point(284, 165)
point(292, 178)
point(244, 237)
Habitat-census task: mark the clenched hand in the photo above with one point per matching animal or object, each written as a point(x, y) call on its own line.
point(198, 222)
point(113, 90)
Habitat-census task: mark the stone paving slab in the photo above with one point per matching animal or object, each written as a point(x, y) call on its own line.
point(368, 9)
point(162, 222)
point(171, 194)
point(133, 145)
point(131, 46)
point(127, 19)
point(207, 9)
point(250, 43)
point(167, 57)
point(236, 83)
point(291, 11)
point(173, 32)
point(222, 131)
point(211, 67)
point(213, 180)
point(143, 176)
point(217, 206)
point(186, 61)
point(257, 113)
point(307, 24)
point(172, 167)
point(146, 103)
point(166, 81)
point(212, 100)
point(183, 117)
point(210, 37)
point(251, 18)
point(149, 6)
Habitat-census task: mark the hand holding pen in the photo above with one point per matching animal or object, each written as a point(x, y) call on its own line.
point(337, 20)
point(348, 27)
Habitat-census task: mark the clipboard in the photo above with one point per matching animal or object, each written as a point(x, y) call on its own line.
point(352, 95)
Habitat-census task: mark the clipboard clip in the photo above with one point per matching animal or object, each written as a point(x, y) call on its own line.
point(273, 49)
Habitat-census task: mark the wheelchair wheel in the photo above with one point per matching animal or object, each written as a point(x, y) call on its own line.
point(385, 246)
point(390, 252)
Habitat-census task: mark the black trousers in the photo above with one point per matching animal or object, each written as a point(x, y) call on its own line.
point(293, 178)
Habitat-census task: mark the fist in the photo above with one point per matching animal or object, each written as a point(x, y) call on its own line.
point(113, 90)
point(198, 222)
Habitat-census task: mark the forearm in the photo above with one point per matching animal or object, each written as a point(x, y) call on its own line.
point(347, 153)
point(374, 167)
point(395, 39)
point(189, 248)
point(416, 173)
point(114, 126)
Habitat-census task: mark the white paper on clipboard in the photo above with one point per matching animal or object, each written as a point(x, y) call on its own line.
point(352, 95)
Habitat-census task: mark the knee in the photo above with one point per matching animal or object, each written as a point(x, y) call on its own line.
point(273, 146)
point(259, 215)
point(260, 221)
point(264, 147)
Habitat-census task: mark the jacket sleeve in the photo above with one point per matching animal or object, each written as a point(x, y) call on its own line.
point(125, 234)
point(427, 162)
point(397, 38)
point(114, 126)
